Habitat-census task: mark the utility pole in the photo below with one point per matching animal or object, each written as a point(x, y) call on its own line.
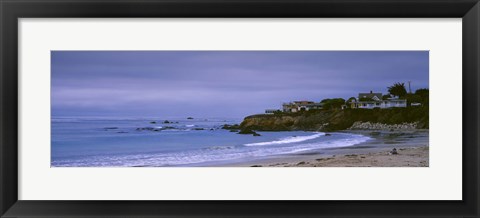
point(409, 89)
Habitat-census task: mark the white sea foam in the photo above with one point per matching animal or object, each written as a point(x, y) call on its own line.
point(291, 139)
point(219, 153)
point(349, 140)
point(190, 125)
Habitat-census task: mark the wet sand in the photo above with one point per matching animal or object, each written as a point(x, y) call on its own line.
point(412, 151)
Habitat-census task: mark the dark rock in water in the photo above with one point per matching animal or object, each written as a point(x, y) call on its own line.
point(166, 121)
point(246, 131)
point(153, 122)
point(234, 126)
point(256, 166)
point(234, 130)
point(328, 134)
point(212, 129)
point(155, 129)
point(107, 128)
point(122, 132)
point(176, 122)
point(198, 129)
point(145, 128)
point(189, 118)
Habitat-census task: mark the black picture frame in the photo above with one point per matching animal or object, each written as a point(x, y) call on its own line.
point(12, 10)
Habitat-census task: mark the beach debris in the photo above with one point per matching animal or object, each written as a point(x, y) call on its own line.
point(351, 155)
point(394, 151)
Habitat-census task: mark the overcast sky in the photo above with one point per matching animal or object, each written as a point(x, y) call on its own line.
point(220, 83)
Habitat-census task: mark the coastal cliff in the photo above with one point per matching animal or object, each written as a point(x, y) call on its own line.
point(333, 120)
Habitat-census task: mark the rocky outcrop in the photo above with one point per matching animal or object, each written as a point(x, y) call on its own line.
point(333, 120)
point(286, 122)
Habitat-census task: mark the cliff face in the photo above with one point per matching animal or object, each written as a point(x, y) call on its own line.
point(285, 122)
point(324, 120)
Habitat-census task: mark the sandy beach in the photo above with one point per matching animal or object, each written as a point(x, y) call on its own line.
point(412, 151)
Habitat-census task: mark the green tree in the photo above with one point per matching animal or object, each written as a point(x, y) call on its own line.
point(398, 89)
point(424, 94)
point(333, 103)
point(413, 98)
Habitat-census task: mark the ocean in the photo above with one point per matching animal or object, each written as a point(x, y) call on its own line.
point(140, 142)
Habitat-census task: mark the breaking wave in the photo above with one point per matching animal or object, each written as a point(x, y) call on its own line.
point(291, 139)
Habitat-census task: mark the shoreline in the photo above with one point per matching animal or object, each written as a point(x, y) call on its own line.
point(412, 147)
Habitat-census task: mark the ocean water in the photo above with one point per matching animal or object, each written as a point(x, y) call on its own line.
point(101, 142)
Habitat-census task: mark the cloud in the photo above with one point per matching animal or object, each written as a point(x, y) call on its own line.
point(219, 83)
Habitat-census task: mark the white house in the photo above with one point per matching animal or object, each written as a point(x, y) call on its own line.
point(374, 100)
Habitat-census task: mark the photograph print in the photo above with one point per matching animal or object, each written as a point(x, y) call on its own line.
point(239, 108)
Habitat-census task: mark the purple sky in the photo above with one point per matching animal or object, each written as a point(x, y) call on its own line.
point(220, 83)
